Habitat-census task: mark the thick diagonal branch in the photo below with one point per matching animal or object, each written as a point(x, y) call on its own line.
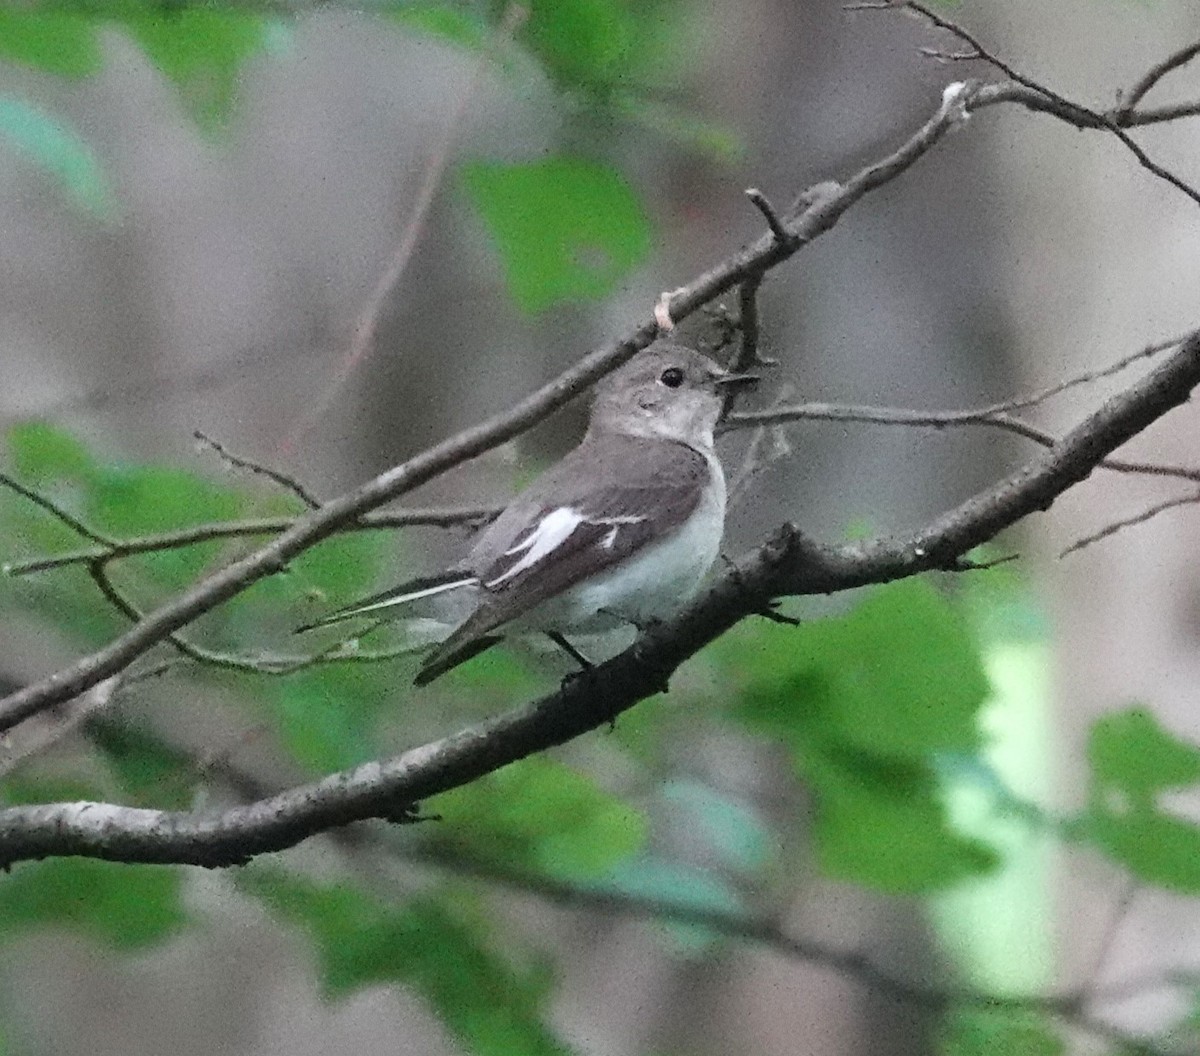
point(821, 213)
point(816, 212)
point(786, 564)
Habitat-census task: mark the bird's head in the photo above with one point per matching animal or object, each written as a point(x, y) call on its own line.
point(668, 391)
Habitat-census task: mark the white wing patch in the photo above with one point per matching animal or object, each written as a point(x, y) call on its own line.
point(551, 532)
point(610, 537)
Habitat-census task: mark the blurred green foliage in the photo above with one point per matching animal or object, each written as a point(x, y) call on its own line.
point(438, 944)
point(999, 1032)
point(56, 148)
point(453, 23)
point(867, 706)
point(874, 709)
point(541, 816)
point(1134, 763)
point(54, 40)
point(127, 909)
point(863, 704)
point(565, 228)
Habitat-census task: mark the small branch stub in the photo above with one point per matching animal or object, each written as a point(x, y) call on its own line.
point(760, 201)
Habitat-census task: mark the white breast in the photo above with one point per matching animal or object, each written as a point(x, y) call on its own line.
point(657, 582)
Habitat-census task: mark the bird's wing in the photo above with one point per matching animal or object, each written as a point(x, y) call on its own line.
point(603, 503)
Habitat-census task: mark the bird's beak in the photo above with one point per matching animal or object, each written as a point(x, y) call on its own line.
point(735, 379)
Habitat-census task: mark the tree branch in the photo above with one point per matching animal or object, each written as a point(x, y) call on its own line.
point(1148, 514)
point(1102, 120)
point(786, 564)
point(1130, 99)
point(113, 549)
point(239, 462)
point(814, 213)
point(1069, 1007)
point(821, 213)
point(834, 412)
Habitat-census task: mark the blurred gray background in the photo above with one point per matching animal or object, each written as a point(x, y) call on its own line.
point(225, 298)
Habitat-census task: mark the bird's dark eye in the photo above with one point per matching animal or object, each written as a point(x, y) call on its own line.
point(672, 377)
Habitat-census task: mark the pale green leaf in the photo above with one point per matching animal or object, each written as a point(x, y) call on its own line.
point(54, 147)
point(565, 228)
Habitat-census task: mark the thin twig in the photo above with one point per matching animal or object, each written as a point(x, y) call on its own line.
point(1159, 114)
point(898, 416)
point(1190, 499)
point(750, 355)
point(63, 515)
point(748, 358)
point(786, 564)
point(948, 56)
point(753, 461)
point(774, 221)
point(365, 328)
point(97, 561)
point(1129, 100)
point(1102, 120)
point(240, 462)
point(342, 651)
point(450, 517)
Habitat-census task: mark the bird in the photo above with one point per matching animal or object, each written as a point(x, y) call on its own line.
point(620, 531)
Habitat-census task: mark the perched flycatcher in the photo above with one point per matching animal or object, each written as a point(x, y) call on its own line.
point(621, 531)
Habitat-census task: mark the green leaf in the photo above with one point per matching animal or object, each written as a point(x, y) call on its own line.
point(583, 44)
point(540, 815)
point(52, 145)
point(899, 675)
point(884, 824)
point(1134, 761)
point(122, 907)
point(55, 42)
point(865, 703)
point(565, 228)
point(41, 452)
point(200, 48)
point(131, 500)
point(149, 772)
point(449, 23)
point(998, 1032)
point(327, 715)
point(430, 945)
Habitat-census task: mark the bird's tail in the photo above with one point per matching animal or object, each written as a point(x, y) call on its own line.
point(413, 590)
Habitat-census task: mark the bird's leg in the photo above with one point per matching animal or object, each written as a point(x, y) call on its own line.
point(585, 665)
point(646, 625)
point(560, 640)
